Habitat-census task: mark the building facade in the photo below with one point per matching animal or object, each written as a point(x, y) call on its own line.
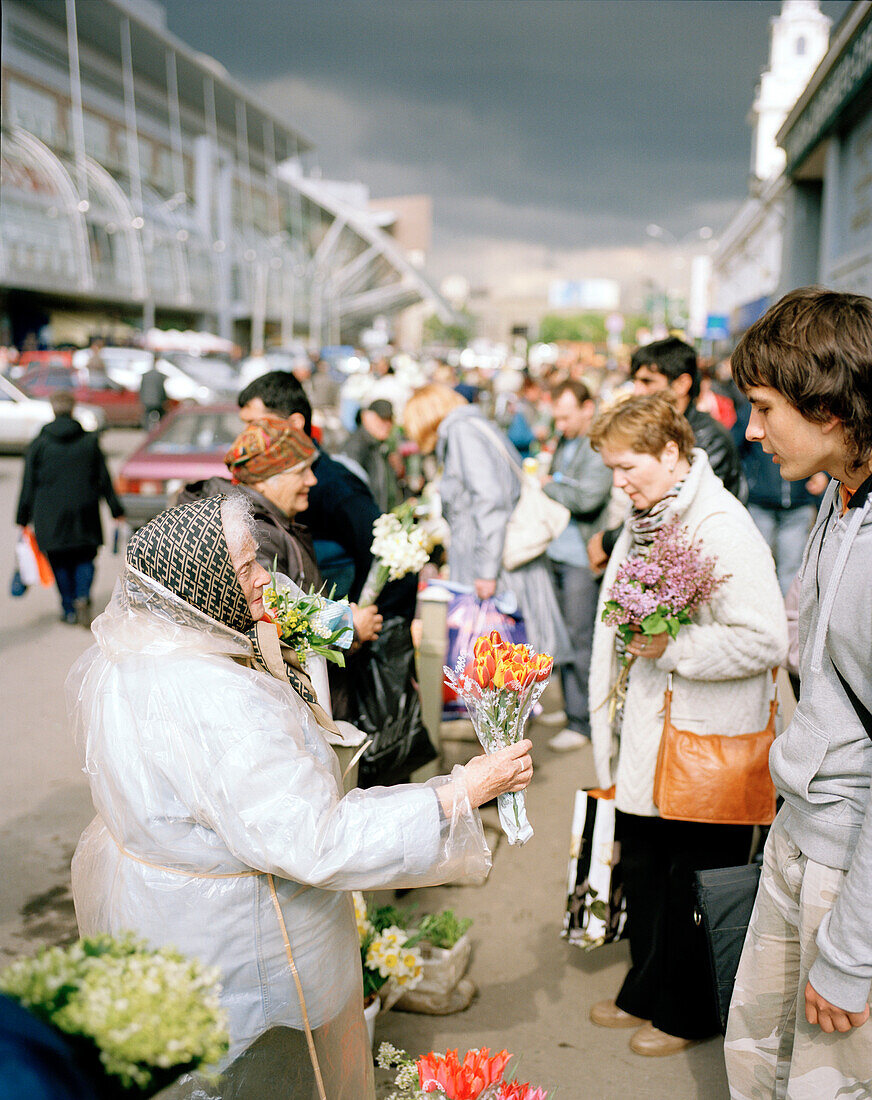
point(140, 182)
point(827, 140)
point(747, 266)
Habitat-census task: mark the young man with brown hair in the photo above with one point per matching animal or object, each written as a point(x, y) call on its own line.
point(798, 1019)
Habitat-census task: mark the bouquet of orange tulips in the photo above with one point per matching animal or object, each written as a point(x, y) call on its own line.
point(500, 685)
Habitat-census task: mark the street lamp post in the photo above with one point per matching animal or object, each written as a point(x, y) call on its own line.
point(700, 273)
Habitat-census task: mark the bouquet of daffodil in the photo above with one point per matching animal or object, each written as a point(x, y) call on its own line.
point(149, 1014)
point(309, 622)
point(500, 686)
point(400, 545)
point(478, 1076)
point(388, 952)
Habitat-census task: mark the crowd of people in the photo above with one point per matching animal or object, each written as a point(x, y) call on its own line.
point(223, 824)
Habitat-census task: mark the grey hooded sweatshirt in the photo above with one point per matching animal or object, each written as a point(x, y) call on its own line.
point(822, 762)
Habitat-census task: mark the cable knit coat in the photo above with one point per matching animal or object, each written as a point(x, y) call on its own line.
point(719, 662)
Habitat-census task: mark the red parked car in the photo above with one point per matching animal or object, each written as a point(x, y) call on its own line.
point(54, 371)
point(189, 444)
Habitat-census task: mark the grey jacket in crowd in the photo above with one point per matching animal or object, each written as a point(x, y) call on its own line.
point(582, 483)
point(479, 489)
point(822, 762)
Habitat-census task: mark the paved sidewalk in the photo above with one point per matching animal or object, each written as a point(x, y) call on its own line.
point(535, 990)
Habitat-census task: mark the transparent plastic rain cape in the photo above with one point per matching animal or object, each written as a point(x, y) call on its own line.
point(221, 826)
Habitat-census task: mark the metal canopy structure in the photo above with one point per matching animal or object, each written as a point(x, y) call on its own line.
point(160, 174)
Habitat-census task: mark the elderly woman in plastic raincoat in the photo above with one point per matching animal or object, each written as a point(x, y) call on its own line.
point(221, 827)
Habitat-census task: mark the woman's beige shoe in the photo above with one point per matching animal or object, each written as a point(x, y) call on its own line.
point(607, 1014)
point(651, 1042)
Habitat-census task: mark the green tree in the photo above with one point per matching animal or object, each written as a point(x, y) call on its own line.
point(590, 327)
point(457, 333)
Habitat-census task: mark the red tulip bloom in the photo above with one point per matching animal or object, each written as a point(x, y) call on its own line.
point(513, 1090)
point(465, 1080)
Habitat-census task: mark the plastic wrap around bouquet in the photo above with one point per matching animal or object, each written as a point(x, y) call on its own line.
point(500, 686)
point(309, 622)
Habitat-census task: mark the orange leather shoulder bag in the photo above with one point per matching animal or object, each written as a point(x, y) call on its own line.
point(715, 777)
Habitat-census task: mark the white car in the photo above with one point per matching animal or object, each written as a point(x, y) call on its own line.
point(126, 366)
point(219, 375)
point(22, 417)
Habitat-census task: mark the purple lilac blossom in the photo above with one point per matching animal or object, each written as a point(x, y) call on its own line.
point(672, 576)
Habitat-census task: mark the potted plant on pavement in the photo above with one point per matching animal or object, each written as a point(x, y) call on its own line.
point(391, 961)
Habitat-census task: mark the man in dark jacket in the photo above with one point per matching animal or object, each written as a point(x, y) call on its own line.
point(153, 395)
point(371, 449)
point(65, 478)
point(341, 509)
point(672, 365)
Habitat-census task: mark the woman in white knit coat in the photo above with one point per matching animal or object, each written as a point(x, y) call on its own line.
point(721, 684)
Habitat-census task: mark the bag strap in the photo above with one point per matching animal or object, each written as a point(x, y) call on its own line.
point(859, 708)
point(773, 702)
point(494, 437)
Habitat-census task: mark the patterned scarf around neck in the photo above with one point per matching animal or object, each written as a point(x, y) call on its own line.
point(643, 524)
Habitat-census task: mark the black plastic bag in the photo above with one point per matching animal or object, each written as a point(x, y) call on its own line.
point(724, 900)
point(387, 708)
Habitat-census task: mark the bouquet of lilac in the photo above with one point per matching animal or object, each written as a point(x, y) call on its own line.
point(658, 592)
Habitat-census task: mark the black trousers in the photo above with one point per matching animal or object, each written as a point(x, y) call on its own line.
point(670, 981)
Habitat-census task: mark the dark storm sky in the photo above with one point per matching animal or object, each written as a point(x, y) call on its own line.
point(543, 130)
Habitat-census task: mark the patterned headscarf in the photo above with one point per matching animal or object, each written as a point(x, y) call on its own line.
point(268, 446)
point(185, 550)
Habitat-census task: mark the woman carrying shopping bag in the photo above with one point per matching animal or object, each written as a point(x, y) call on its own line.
point(480, 488)
point(719, 666)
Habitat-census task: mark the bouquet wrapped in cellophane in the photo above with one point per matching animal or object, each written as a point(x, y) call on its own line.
point(500, 686)
point(310, 623)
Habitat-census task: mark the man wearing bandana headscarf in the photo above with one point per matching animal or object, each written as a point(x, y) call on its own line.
point(221, 827)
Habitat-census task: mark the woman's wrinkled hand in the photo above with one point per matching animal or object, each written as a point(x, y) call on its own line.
point(488, 775)
point(367, 622)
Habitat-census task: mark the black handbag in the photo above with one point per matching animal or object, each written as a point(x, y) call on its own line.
point(387, 707)
point(724, 902)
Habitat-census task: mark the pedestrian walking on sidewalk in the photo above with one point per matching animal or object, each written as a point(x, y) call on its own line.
point(65, 478)
point(798, 1018)
point(720, 665)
